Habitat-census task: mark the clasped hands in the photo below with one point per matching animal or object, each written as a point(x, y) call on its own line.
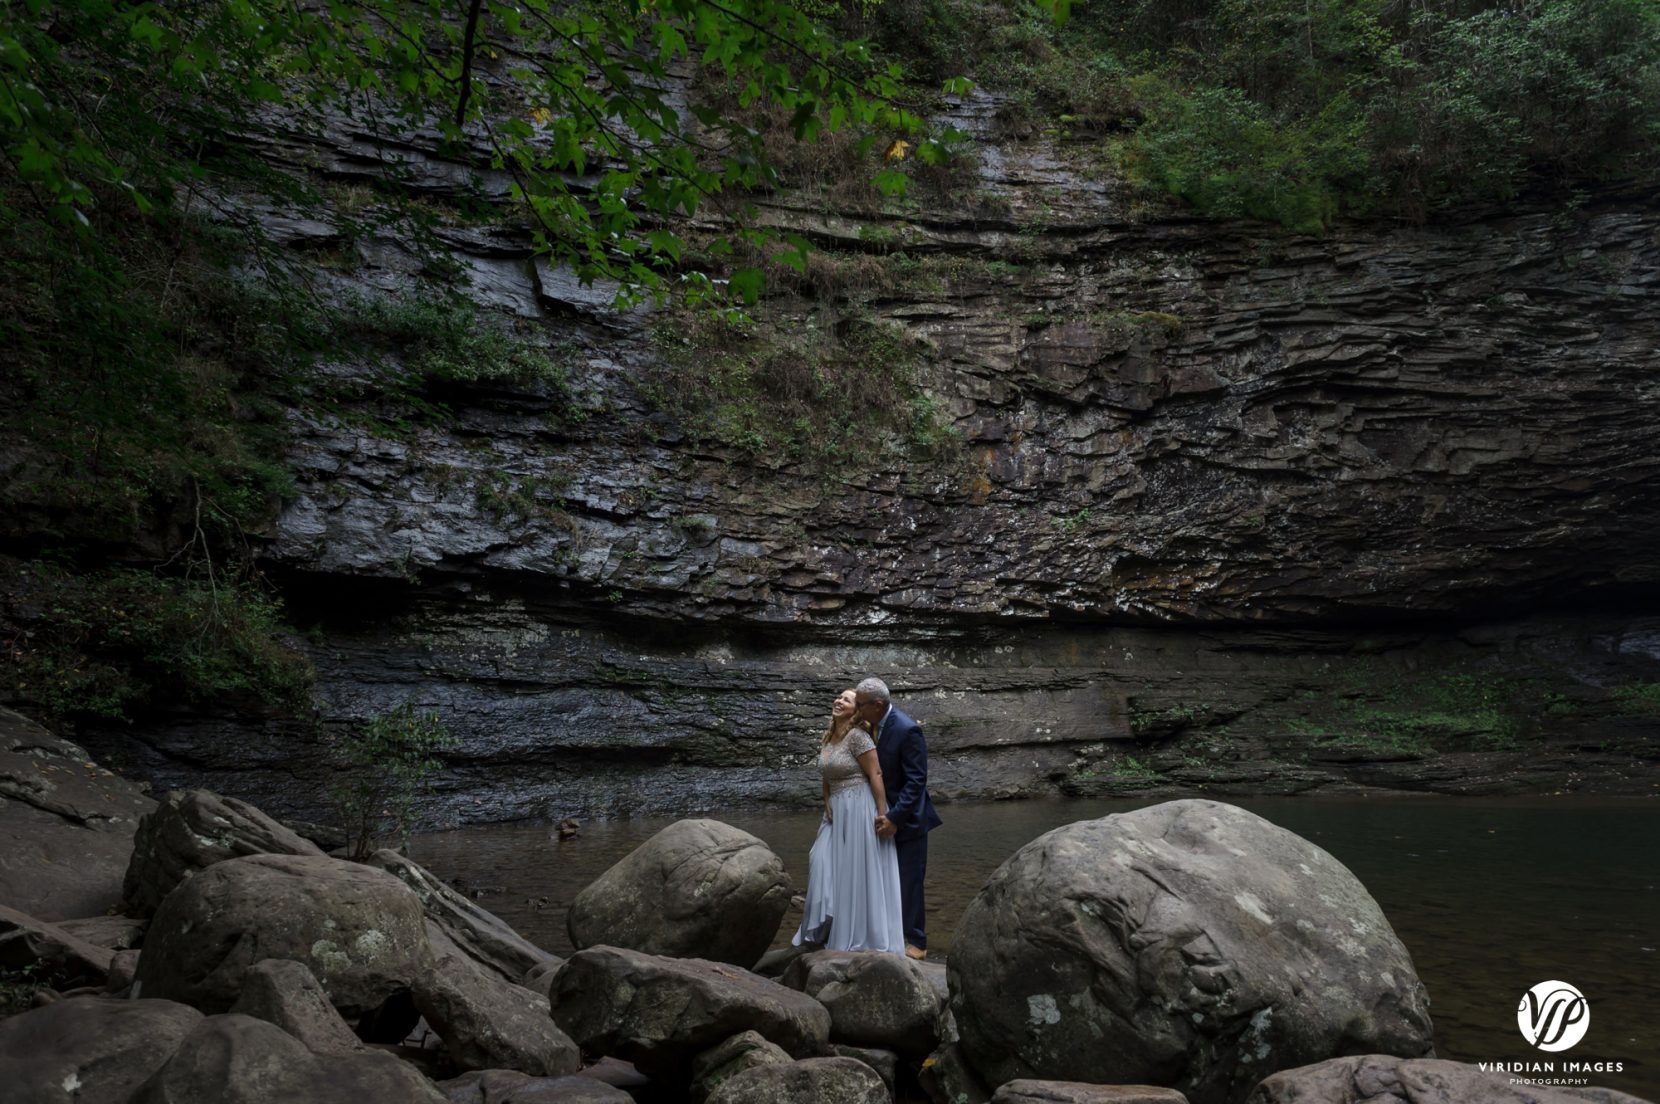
point(885, 828)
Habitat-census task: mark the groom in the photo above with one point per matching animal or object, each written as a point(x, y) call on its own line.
point(903, 756)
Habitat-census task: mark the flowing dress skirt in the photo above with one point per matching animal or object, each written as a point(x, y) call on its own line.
point(852, 899)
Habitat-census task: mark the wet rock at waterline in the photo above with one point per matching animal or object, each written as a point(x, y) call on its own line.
point(486, 1022)
point(1385, 1079)
point(875, 999)
point(287, 994)
point(1077, 1092)
point(359, 930)
point(67, 822)
point(811, 1081)
point(1190, 944)
point(89, 1050)
point(485, 937)
point(512, 1087)
point(237, 1059)
point(697, 889)
point(190, 831)
point(743, 1051)
point(660, 1013)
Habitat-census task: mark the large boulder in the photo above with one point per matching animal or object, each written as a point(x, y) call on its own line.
point(1385, 1079)
point(190, 831)
point(359, 930)
point(67, 822)
point(1076, 1092)
point(697, 889)
point(875, 999)
point(486, 1022)
point(741, 1052)
point(50, 955)
point(1189, 944)
point(89, 1050)
point(659, 1012)
point(482, 935)
point(512, 1087)
point(812, 1081)
point(237, 1059)
point(287, 994)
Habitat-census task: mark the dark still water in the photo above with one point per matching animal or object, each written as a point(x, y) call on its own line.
point(1490, 896)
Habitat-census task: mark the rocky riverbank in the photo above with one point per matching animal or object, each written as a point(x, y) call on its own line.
point(1186, 952)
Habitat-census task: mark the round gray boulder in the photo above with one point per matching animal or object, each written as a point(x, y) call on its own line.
point(1190, 944)
point(360, 931)
point(1384, 1079)
point(875, 999)
point(813, 1081)
point(237, 1059)
point(697, 889)
point(89, 1050)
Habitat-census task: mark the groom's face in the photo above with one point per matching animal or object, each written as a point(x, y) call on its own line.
point(871, 710)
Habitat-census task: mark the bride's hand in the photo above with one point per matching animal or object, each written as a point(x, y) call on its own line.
point(829, 817)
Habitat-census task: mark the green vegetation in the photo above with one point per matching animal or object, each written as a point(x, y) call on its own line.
point(1638, 697)
point(826, 391)
point(524, 497)
point(383, 768)
point(1420, 716)
point(18, 985)
point(1300, 112)
point(108, 107)
point(114, 641)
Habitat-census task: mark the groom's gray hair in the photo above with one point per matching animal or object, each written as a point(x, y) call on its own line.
point(872, 689)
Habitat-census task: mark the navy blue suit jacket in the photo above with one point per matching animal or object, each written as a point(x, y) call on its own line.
point(902, 754)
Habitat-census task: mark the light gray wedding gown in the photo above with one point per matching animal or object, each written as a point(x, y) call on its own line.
point(852, 899)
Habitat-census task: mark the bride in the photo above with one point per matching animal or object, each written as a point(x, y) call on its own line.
point(852, 876)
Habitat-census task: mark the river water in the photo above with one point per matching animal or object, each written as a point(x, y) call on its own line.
point(1489, 895)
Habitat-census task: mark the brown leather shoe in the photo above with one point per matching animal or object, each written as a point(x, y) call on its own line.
point(915, 952)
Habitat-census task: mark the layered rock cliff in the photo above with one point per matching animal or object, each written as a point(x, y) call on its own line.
point(1200, 506)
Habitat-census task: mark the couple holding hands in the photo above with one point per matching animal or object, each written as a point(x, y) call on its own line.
point(865, 871)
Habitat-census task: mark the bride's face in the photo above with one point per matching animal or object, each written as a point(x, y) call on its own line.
point(842, 708)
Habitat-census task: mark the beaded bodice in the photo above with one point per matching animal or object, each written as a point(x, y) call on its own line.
point(838, 763)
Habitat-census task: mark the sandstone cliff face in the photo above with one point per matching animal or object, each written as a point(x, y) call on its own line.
point(1211, 494)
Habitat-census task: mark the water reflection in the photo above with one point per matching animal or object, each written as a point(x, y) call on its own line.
point(1489, 895)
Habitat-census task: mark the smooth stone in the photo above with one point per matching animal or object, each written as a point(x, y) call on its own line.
point(1190, 944)
point(360, 931)
point(287, 994)
point(482, 935)
point(192, 830)
point(1384, 1079)
point(696, 889)
point(660, 1013)
point(486, 1022)
point(237, 1059)
point(68, 824)
point(875, 999)
point(811, 1081)
point(743, 1051)
point(92, 1051)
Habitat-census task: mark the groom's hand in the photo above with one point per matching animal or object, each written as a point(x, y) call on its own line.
point(885, 828)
